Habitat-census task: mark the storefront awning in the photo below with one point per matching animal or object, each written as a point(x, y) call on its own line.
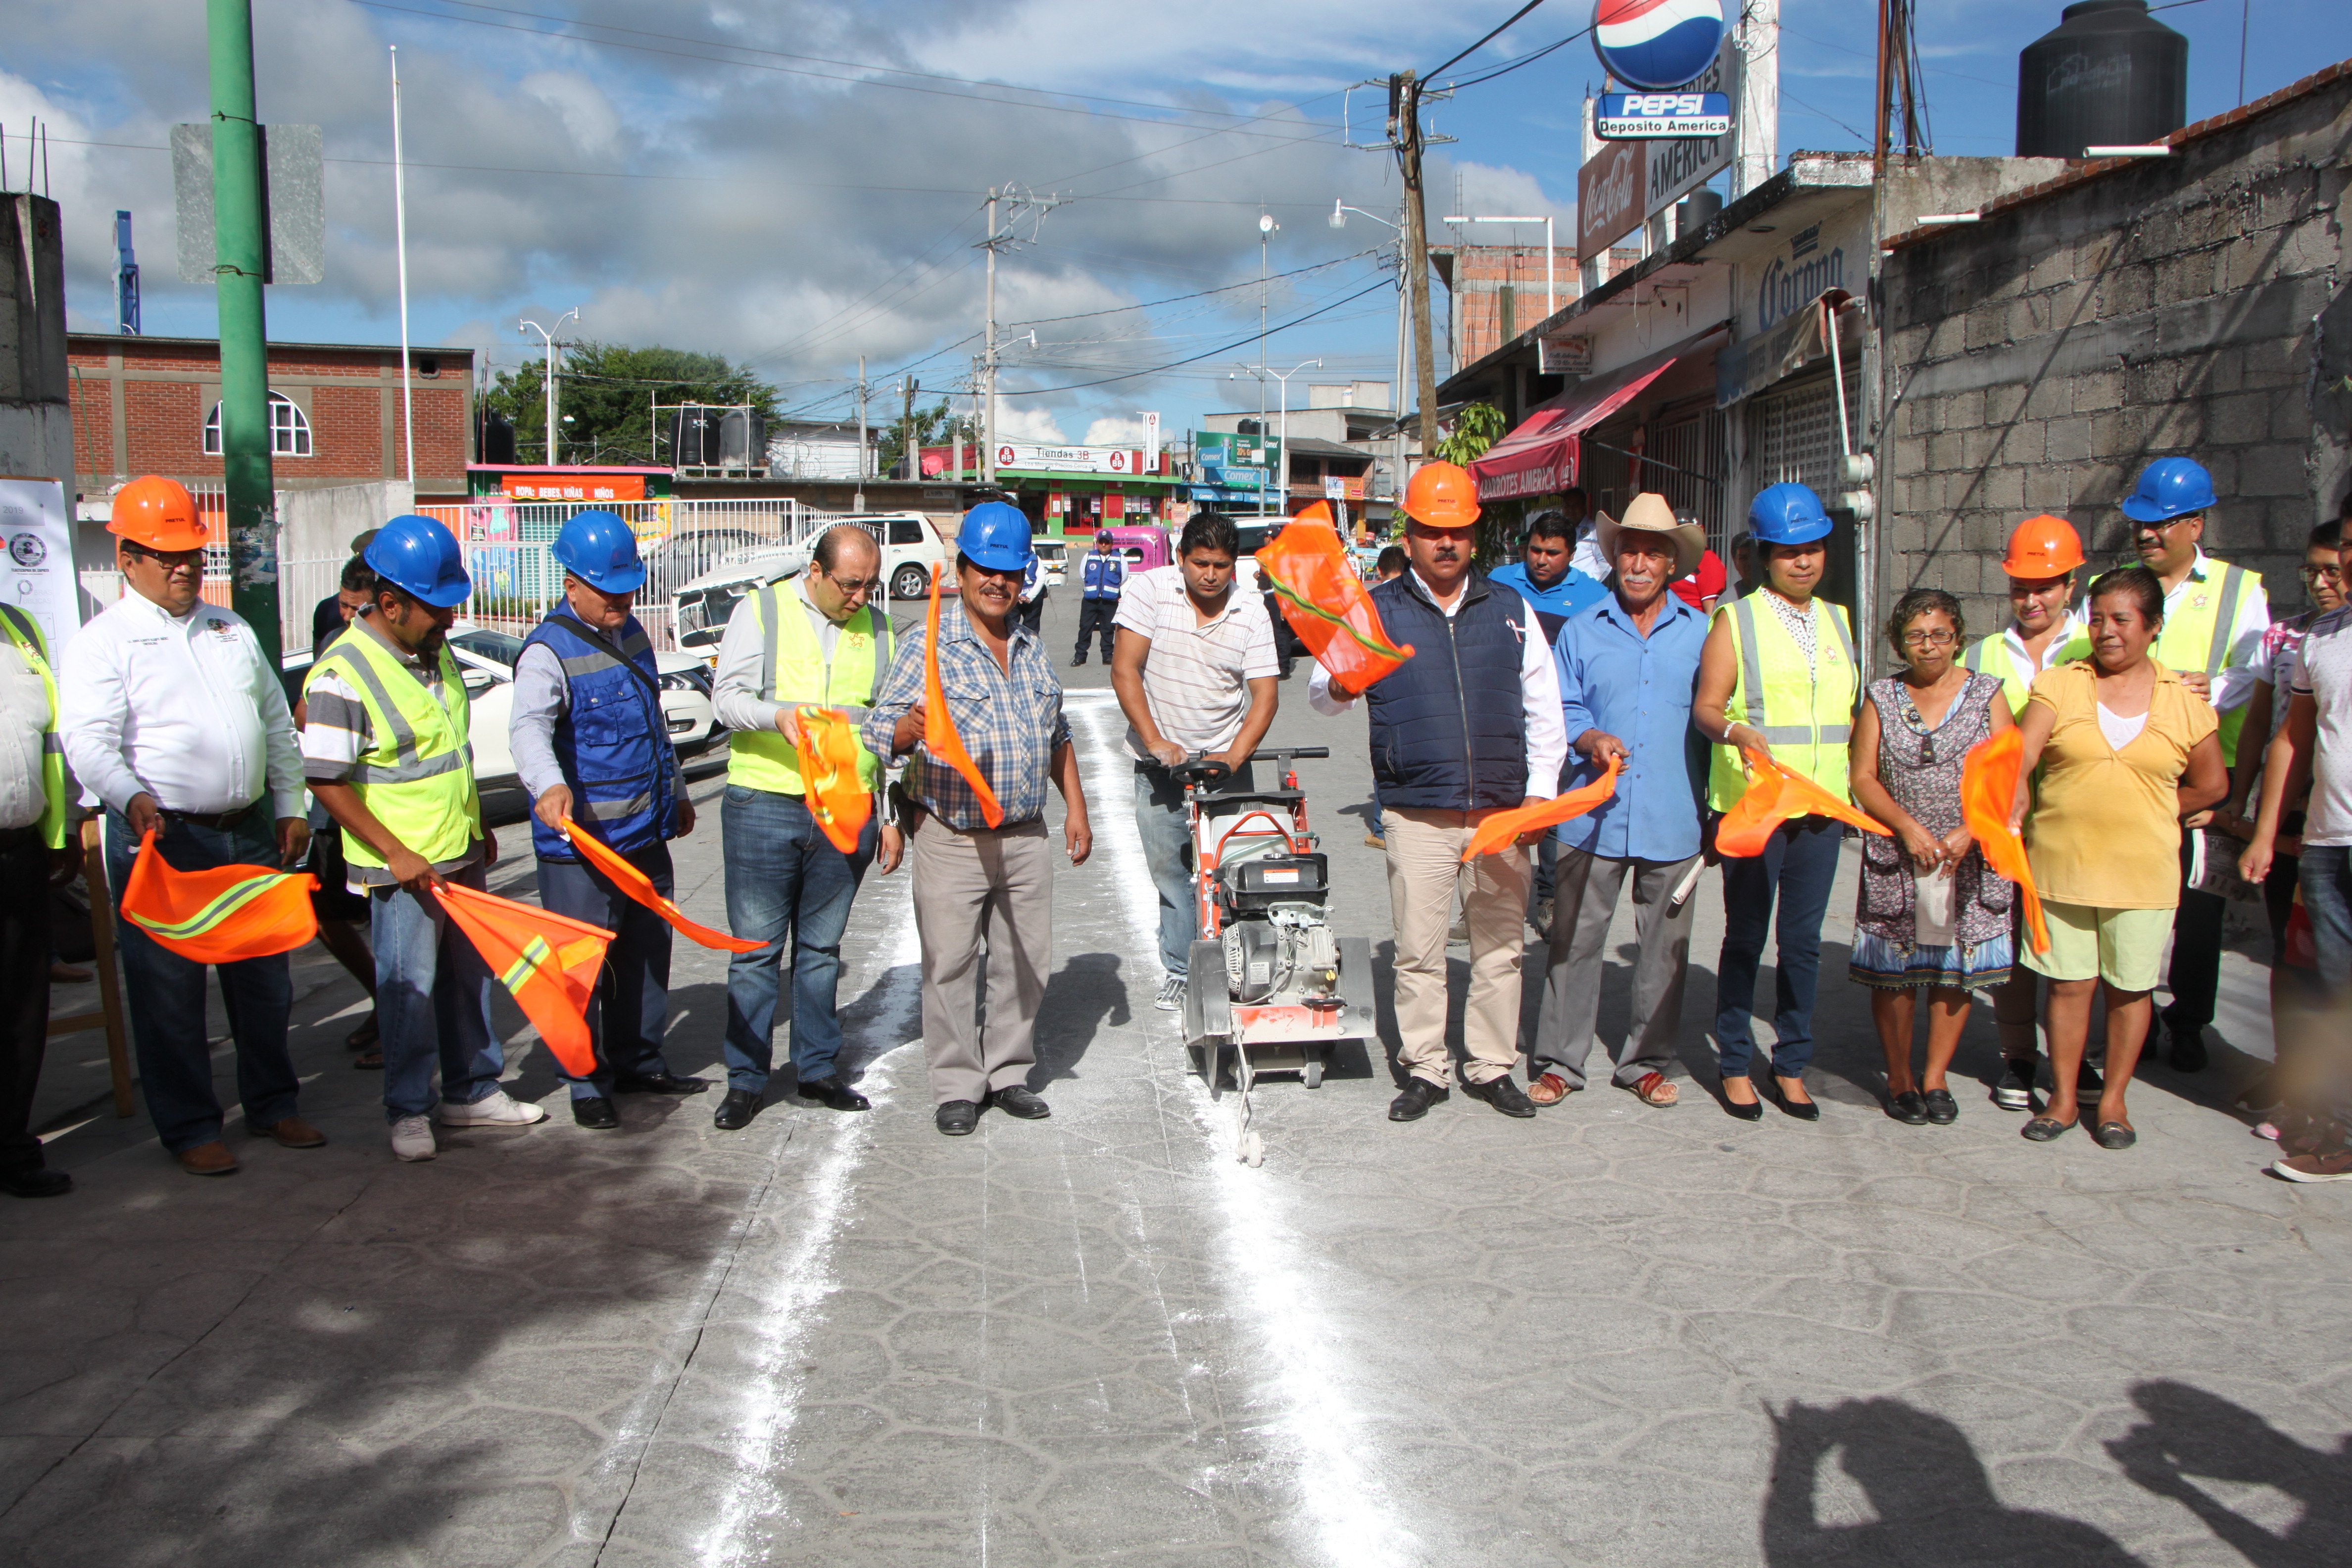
point(1543, 455)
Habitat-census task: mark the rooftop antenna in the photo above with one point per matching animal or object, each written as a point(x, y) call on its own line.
point(126, 278)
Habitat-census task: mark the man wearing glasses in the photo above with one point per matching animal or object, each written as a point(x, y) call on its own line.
point(174, 719)
point(814, 639)
point(2214, 617)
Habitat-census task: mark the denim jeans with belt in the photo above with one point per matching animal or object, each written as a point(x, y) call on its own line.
point(1160, 821)
point(166, 992)
point(432, 1002)
point(630, 1011)
point(1799, 864)
point(785, 884)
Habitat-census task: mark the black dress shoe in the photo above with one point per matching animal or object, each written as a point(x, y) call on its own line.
point(1017, 1100)
point(830, 1092)
point(956, 1118)
point(1414, 1104)
point(1751, 1111)
point(1942, 1109)
point(1502, 1094)
point(735, 1111)
point(662, 1082)
point(1908, 1108)
point(596, 1114)
point(35, 1184)
point(1800, 1110)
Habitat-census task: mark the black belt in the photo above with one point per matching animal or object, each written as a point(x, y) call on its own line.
point(214, 819)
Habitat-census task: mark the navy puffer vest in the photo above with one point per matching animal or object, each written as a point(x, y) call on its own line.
point(1449, 728)
point(611, 741)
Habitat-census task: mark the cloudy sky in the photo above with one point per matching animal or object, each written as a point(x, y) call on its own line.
point(795, 183)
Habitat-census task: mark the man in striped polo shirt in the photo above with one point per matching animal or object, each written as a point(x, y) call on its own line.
point(1196, 676)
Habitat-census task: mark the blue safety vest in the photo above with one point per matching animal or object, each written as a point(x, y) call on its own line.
point(1103, 574)
point(611, 739)
point(1449, 726)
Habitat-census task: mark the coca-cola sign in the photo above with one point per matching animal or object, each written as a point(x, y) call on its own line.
point(1609, 191)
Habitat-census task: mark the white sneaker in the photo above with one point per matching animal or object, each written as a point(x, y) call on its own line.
point(494, 1110)
point(412, 1139)
point(1171, 993)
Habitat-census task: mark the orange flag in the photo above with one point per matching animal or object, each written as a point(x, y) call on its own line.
point(640, 887)
point(1776, 796)
point(940, 737)
point(550, 962)
point(1326, 602)
point(829, 767)
point(220, 916)
point(1497, 831)
point(1988, 789)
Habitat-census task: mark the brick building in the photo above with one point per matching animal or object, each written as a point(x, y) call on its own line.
point(148, 406)
point(1495, 293)
point(2129, 308)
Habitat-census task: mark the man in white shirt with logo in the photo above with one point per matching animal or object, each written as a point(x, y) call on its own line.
point(174, 720)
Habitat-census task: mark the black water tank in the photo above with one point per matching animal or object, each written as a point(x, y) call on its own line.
point(2107, 74)
point(694, 436)
point(498, 441)
point(742, 439)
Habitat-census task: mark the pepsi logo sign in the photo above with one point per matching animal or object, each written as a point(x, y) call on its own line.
point(1657, 45)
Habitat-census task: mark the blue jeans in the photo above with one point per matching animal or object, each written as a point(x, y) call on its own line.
point(2326, 877)
point(432, 1002)
point(785, 882)
point(1797, 867)
point(1159, 821)
point(630, 1011)
point(166, 993)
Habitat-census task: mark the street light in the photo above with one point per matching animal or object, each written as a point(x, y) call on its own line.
point(1551, 304)
point(571, 315)
point(1282, 441)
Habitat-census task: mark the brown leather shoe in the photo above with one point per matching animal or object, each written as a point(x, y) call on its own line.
point(211, 1159)
point(293, 1132)
point(1550, 1089)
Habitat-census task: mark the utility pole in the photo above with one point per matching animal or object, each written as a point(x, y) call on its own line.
point(240, 238)
point(1757, 131)
point(907, 387)
point(859, 504)
point(1404, 132)
point(988, 360)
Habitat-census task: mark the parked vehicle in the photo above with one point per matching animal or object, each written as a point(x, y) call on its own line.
point(1141, 548)
point(1054, 554)
point(912, 546)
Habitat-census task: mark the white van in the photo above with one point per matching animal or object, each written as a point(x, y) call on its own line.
point(912, 546)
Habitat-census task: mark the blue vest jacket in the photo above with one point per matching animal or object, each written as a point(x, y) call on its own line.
point(1449, 728)
point(611, 741)
point(1102, 574)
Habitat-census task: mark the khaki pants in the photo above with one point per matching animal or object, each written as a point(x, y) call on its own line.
point(1425, 850)
point(993, 888)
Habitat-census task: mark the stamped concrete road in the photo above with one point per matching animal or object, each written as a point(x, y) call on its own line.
point(1610, 1335)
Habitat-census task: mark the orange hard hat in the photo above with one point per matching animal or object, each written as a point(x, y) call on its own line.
point(1442, 495)
point(159, 513)
point(2043, 547)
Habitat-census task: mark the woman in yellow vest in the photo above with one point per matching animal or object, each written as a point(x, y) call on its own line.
point(33, 849)
point(1778, 676)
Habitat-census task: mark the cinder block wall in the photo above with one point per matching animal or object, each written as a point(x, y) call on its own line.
point(2195, 305)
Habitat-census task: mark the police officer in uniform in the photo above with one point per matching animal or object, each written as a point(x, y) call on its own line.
point(590, 742)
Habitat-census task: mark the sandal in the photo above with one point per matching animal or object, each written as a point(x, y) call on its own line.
point(1651, 1089)
point(2114, 1135)
point(1550, 1088)
point(2042, 1129)
point(365, 1035)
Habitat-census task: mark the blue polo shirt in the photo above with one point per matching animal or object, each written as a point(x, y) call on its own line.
point(1638, 689)
point(1554, 605)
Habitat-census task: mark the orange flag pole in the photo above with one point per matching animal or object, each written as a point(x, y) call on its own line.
point(829, 767)
point(1988, 790)
point(549, 962)
point(1497, 832)
point(640, 887)
point(940, 737)
point(1776, 796)
point(219, 916)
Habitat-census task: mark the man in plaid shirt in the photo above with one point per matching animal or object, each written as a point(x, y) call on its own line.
point(973, 882)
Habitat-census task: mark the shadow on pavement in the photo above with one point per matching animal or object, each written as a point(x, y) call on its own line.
point(1085, 992)
point(2190, 1433)
point(1934, 1502)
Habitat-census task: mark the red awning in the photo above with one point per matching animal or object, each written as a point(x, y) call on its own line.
point(1543, 455)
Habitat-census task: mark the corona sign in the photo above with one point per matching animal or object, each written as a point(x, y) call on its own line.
point(1656, 46)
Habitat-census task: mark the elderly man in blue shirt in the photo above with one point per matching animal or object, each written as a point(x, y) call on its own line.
point(1628, 668)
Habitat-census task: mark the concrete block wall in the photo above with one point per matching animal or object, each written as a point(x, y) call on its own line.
point(2037, 360)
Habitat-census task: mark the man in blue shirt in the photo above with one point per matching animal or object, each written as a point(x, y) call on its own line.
point(1628, 668)
point(1102, 576)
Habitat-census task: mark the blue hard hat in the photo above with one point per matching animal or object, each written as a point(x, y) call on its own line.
point(420, 557)
point(2169, 488)
point(996, 535)
point(599, 549)
point(1787, 514)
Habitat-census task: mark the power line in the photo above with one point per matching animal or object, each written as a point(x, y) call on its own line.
point(1522, 60)
point(1482, 42)
point(1210, 354)
point(1201, 294)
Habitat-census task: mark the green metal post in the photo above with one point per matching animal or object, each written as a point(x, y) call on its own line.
point(240, 238)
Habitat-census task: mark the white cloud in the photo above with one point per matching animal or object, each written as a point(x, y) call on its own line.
point(1114, 431)
point(1021, 420)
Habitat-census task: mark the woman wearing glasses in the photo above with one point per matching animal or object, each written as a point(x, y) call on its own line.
point(2125, 750)
point(1931, 913)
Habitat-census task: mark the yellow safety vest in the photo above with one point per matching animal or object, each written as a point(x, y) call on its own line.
point(25, 633)
point(1806, 714)
point(1993, 656)
point(793, 669)
point(417, 773)
point(2196, 635)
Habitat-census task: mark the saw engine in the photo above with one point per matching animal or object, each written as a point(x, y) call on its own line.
point(1278, 944)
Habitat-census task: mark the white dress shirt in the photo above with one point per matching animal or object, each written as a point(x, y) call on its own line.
point(2235, 687)
point(183, 708)
point(1588, 557)
point(743, 672)
point(1539, 695)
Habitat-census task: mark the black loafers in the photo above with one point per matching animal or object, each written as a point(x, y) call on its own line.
point(832, 1093)
point(1016, 1099)
point(735, 1111)
point(657, 1083)
point(956, 1118)
point(2114, 1135)
point(595, 1114)
point(1908, 1108)
point(35, 1184)
point(1942, 1109)
point(1504, 1095)
point(1414, 1104)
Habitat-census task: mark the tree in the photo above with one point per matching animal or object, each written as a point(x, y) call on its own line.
point(608, 390)
point(1477, 427)
point(934, 426)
